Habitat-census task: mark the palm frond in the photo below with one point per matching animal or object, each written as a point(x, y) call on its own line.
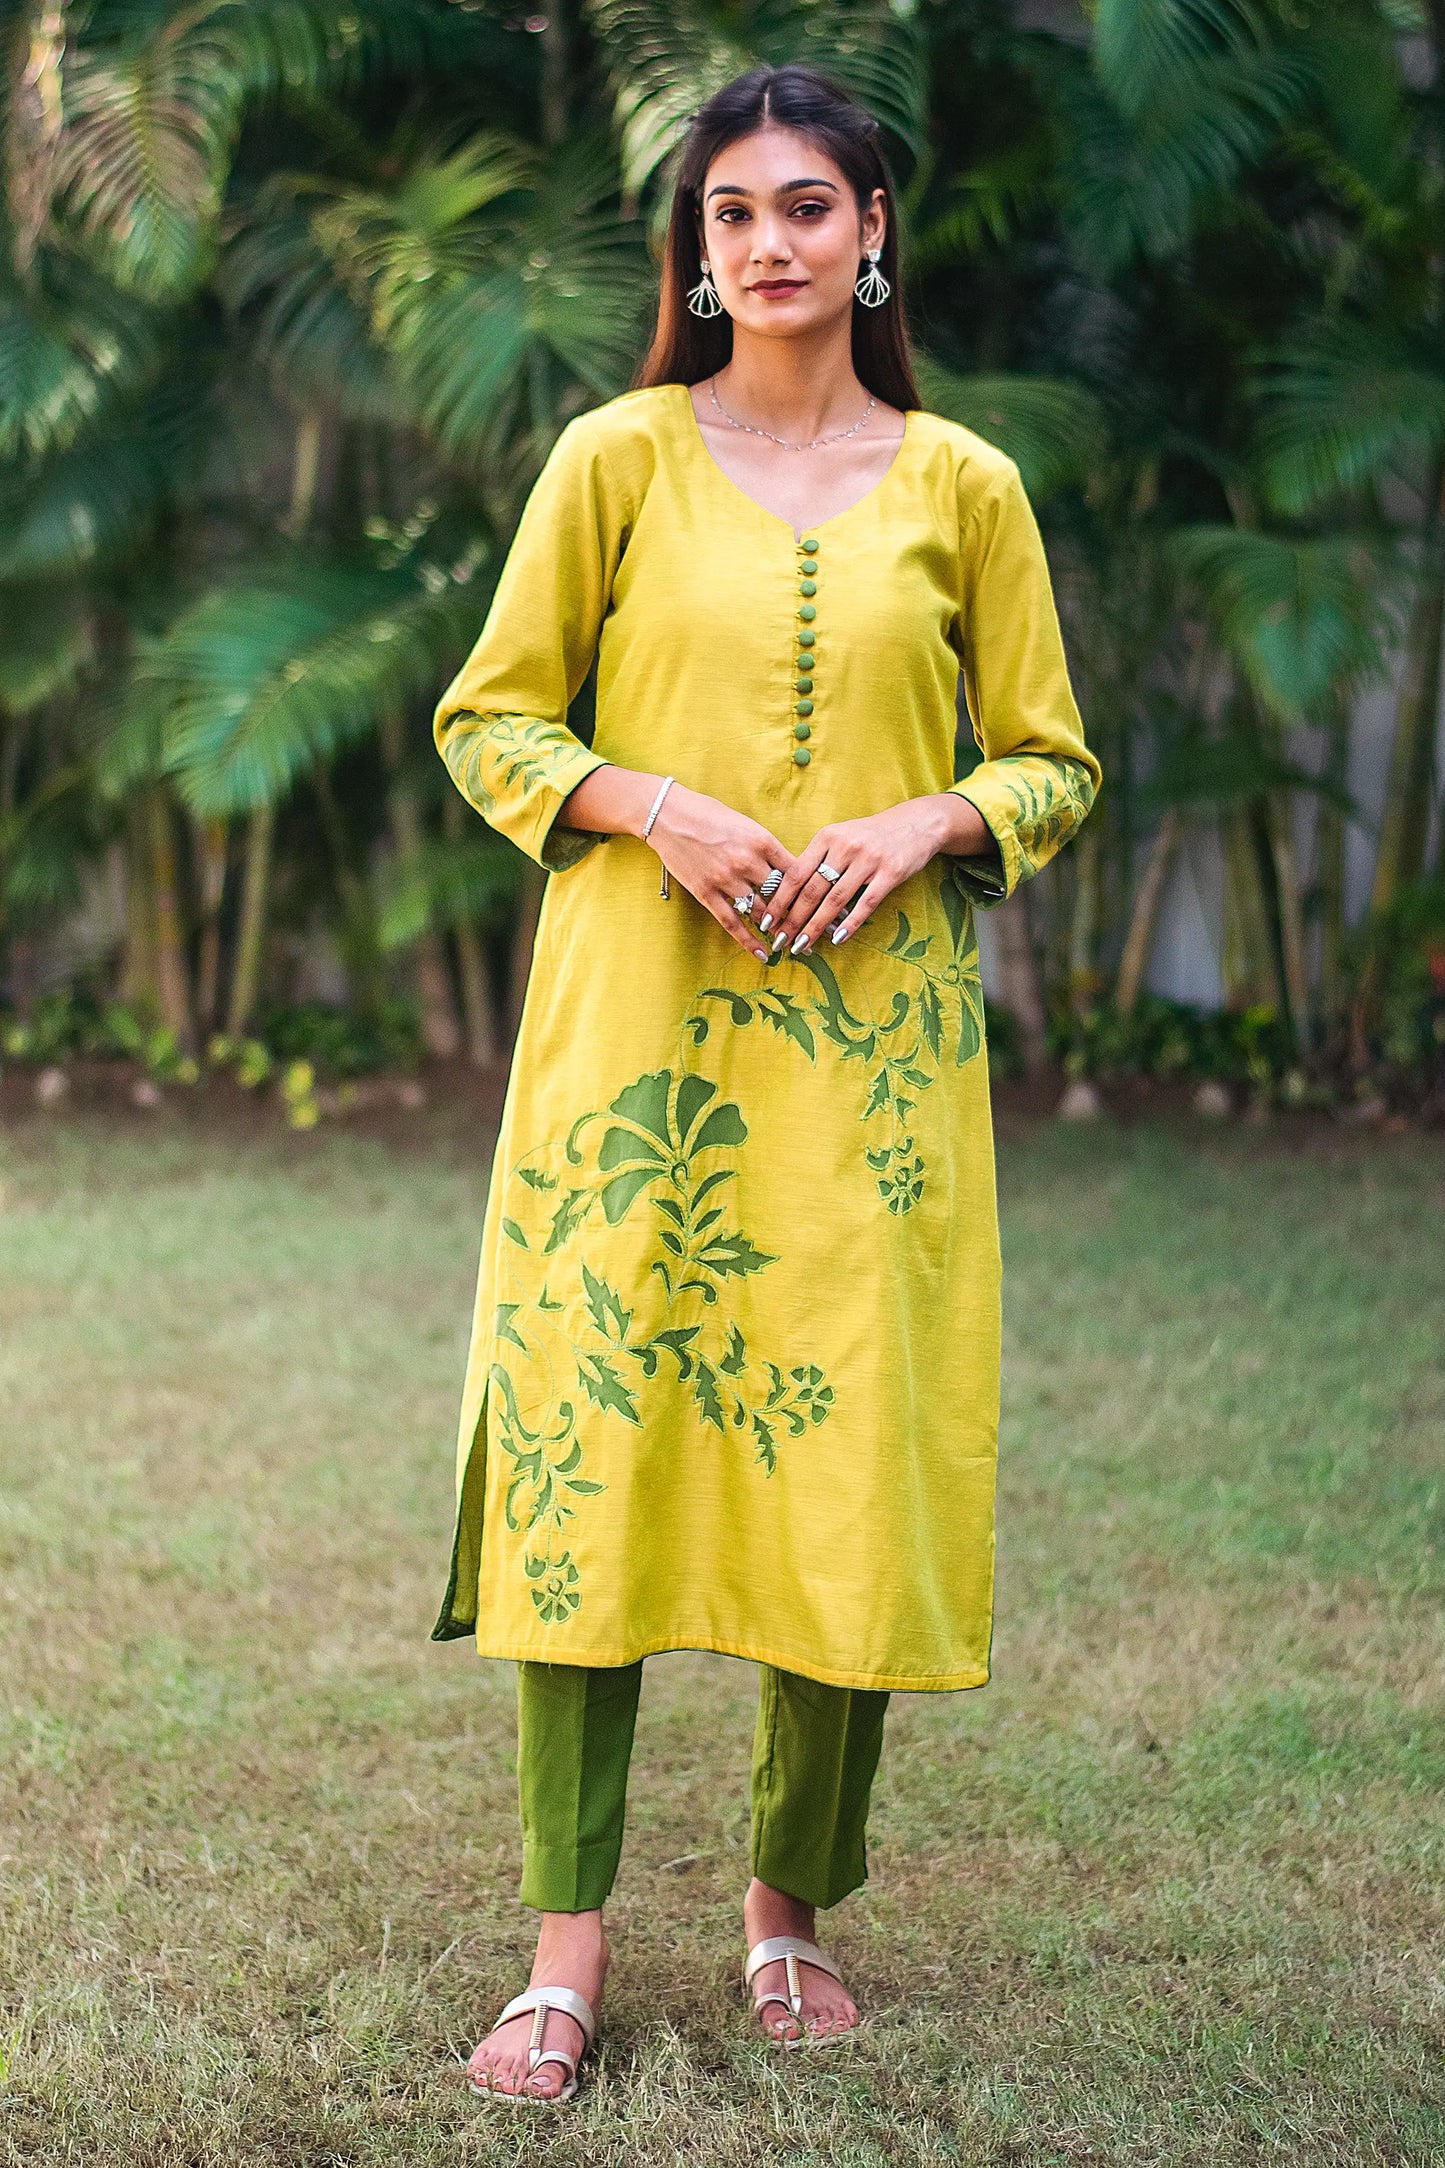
point(1342, 403)
point(68, 344)
point(1052, 429)
point(1206, 774)
point(452, 881)
point(1143, 47)
point(155, 97)
point(1136, 186)
point(96, 496)
point(559, 283)
point(306, 322)
point(264, 677)
point(1302, 617)
point(665, 58)
point(45, 844)
point(46, 644)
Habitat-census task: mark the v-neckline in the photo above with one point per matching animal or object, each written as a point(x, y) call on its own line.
point(698, 443)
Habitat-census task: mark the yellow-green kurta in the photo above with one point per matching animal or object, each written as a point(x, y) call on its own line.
point(734, 1367)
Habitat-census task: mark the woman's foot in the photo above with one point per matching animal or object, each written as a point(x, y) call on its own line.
point(571, 1952)
point(827, 2005)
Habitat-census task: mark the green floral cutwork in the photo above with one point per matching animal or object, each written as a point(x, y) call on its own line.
point(488, 764)
point(586, 1352)
point(938, 1010)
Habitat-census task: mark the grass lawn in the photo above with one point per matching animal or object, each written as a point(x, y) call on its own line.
point(1172, 1889)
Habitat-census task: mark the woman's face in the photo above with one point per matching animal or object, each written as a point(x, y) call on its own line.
point(782, 233)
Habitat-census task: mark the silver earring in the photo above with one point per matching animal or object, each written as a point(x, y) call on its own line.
point(702, 299)
point(872, 288)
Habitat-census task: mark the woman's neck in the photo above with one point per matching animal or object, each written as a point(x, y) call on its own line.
point(799, 388)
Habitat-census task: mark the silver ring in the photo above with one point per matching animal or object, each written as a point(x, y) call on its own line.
point(829, 873)
point(772, 881)
point(743, 904)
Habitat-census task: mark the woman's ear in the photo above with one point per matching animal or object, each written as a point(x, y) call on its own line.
point(874, 222)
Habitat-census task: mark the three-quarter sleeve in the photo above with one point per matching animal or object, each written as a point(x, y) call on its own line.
point(1037, 778)
point(501, 725)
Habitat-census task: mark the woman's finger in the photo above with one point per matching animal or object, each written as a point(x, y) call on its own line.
point(816, 902)
point(736, 923)
point(798, 871)
point(862, 907)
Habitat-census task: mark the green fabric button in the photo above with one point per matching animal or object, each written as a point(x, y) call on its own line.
point(809, 566)
point(802, 756)
point(807, 612)
point(805, 685)
point(810, 546)
point(802, 730)
point(808, 587)
point(805, 707)
point(806, 639)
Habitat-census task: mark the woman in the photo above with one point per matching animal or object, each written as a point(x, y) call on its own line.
point(733, 1381)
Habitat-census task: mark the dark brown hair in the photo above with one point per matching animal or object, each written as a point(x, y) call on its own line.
point(686, 348)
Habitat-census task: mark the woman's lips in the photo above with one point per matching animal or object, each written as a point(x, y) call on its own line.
point(778, 286)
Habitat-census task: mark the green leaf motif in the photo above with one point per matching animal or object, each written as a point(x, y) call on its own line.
point(608, 1315)
point(708, 1398)
point(600, 1381)
point(504, 1328)
point(568, 1216)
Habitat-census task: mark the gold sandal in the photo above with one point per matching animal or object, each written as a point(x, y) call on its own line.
point(541, 2000)
point(793, 1951)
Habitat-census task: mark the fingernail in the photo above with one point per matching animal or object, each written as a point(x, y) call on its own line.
point(799, 945)
point(761, 954)
point(778, 940)
point(838, 934)
point(765, 921)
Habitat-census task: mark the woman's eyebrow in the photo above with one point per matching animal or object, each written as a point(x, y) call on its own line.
point(727, 188)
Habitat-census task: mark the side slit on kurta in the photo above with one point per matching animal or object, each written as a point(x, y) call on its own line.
point(733, 1380)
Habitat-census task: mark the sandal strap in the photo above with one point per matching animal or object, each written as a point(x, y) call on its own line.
point(793, 1951)
point(543, 1999)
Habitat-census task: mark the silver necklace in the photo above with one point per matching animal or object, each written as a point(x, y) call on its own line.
point(787, 443)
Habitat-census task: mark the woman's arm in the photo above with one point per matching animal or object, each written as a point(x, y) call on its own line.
point(714, 852)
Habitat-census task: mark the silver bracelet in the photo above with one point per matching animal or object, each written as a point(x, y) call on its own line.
point(652, 816)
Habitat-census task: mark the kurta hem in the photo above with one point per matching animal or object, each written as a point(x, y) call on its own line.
point(546, 1652)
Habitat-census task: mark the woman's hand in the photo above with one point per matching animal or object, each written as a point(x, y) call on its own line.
point(874, 855)
point(718, 854)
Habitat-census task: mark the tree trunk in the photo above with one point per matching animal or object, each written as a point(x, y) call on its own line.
point(555, 83)
point(1294, 960)
point(138, 989)
point(172, 978)
point(362, 953)
point(440, 1034)
point(1023, 994)
point(1330, 874)
point(1084, 924)
point(478, 1008)
point(251, 933)
point(1250, 974)
point(529, 903)
point(209, 841)
point(1144, 917)
point(1403, 831)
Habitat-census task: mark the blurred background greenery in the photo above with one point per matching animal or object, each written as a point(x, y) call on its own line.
point(296, 294)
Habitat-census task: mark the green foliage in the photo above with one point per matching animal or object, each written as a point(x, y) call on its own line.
point(1409, 942)
point(339, 1042)
point(1163, 1039)
point(296, 295)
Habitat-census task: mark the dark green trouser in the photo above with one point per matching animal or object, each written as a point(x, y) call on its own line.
point(815, 1750)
